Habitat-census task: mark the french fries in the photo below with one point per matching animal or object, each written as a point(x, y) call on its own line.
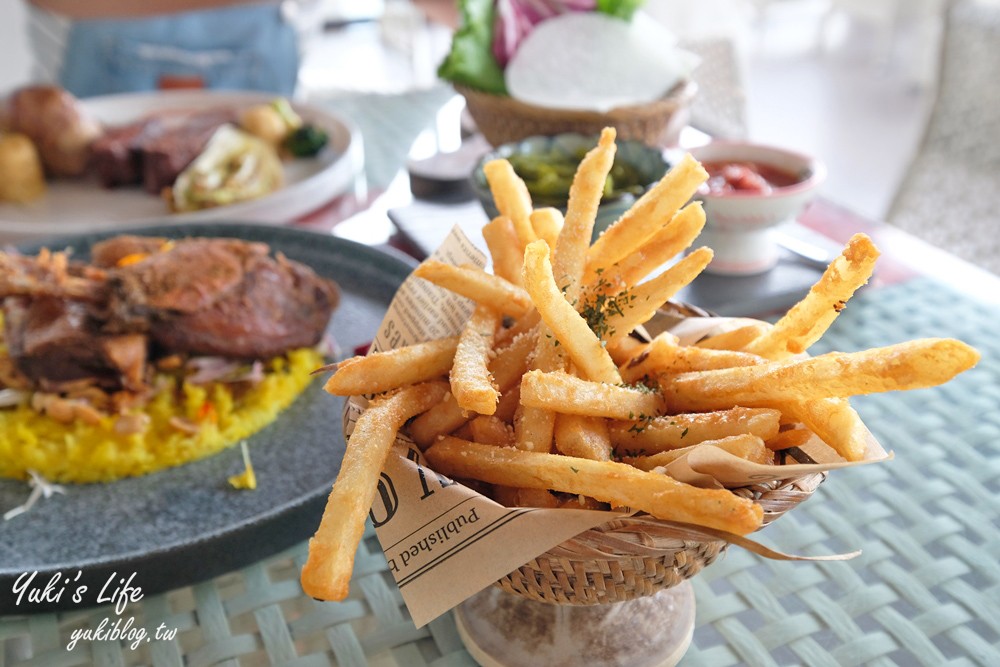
point(570, 254)
point(565, 393)
point(644, 300)
point(672, 239)
point(644, 219)
point(483, 288)
point(327, 572)
point(911, 365)
point(391, 369)
point(505, 249)
point(545, 394)
point(470, 379)
point(608, 481)
point(512, 198)
point(637, 437)
point(547, 223)
point(664, 356)
point(807, 320)
point(570, 329)
point(735, 339)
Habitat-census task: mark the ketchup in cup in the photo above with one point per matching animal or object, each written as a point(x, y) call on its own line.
point(745, 178)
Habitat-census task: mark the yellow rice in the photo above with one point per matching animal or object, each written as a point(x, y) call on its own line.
point(81, 452)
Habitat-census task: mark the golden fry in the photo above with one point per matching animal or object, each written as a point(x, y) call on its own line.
point(547, 223)
point(642, 301)
point(534, 429)
point(566, 394)
point(807, 321)
point(471, 382)
point(672, 239)
point(535, 426)
point(835, 422)
point(391, 369)
point(570, 255)
point(490, 430)
point(569, 328)
point(646, 216)
point(735, 339)
point(443, 418)
point(607, 481)
point(511, 197)
point(664, 356)
point(327, 572)
point(585, 437)
point(474, 283)
point(625, 348)
point(914, 364)
point(506, 251)
point(649, 436)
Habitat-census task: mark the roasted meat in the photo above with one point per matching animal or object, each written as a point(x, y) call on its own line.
point(221, 297)
point(55, 340)
point(117, 155)
point(198, 296)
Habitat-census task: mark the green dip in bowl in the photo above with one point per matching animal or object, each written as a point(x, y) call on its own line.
point(547, 164)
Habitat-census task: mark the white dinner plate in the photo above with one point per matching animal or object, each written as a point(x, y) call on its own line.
point(82, 205)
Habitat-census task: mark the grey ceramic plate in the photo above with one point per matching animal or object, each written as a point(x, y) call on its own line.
point(186, 524)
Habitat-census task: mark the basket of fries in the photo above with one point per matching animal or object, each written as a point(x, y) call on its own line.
point(503, 119)
point(610, 444)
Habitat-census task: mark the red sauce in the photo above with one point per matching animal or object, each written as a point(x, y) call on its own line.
point(745, 177)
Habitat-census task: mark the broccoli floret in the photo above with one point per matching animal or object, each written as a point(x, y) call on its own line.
point(306, 141)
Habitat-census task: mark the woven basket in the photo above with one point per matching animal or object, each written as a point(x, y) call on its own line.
point(636, 556)
point(503, 119)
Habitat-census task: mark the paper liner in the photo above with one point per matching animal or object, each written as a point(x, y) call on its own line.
point(445, 542)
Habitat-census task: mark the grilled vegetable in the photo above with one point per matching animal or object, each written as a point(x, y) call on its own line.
point(235, 166)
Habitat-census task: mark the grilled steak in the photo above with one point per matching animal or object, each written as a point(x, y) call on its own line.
point(167, 153)
point(117, 155)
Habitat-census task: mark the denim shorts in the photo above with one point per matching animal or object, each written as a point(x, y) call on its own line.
point(246, 47)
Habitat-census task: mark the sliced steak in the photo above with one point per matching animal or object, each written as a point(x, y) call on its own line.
point(117, 156)
point(166, 155)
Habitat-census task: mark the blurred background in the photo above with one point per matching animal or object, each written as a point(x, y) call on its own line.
point(895, 95)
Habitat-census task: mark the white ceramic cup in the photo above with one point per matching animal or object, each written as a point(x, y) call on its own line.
point(738, 224)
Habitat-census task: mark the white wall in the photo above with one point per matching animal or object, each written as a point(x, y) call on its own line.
point(15, 58)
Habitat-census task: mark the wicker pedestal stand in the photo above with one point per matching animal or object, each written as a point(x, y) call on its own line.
point(504, 630)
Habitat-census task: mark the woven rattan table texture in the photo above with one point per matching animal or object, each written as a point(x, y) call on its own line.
point(925, 591)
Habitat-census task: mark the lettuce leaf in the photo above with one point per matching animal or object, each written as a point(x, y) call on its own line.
point(623, 9)
point(470, 61)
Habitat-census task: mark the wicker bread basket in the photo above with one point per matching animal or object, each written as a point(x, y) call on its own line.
point(503, 119)
point(636, 556)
